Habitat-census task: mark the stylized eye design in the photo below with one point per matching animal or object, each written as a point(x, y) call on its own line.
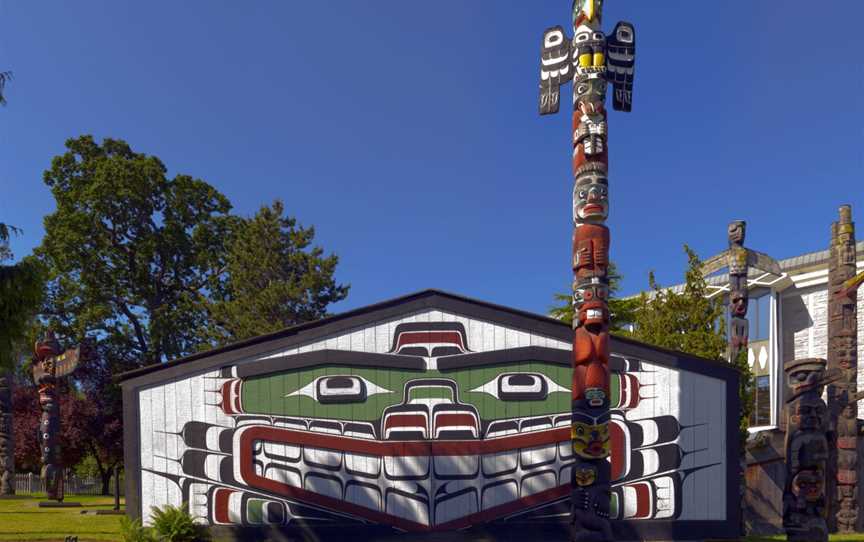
point(582, 36)
point(520, 387)
point(339, 389)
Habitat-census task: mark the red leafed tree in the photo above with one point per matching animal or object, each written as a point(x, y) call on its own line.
point(76, 415)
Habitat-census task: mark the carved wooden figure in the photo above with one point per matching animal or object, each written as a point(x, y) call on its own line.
point(804, 497)
point(843, 358)
point(49, 366)
point(591, 60)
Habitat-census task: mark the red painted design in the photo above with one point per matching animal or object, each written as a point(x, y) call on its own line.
point(401, 449)
point(405, 420)
point(221, 500)
point(644, 503)
point(427, 337)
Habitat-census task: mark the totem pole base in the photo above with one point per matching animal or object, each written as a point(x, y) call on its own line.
point(59, 504)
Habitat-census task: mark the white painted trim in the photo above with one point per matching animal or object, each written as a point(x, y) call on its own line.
point(774, 360)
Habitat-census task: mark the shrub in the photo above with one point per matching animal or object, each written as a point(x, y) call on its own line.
point(175, 524)
point(132, 531)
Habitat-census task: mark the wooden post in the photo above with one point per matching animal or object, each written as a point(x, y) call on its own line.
point(116, 487)
point(592, 61)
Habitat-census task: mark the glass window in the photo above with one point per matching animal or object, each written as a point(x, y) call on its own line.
point(759, 317)
point(761, 414)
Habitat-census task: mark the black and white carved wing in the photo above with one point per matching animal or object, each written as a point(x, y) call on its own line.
point(555, 68)
point(620, 62)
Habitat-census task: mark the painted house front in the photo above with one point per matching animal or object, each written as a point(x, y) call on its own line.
point(430, 412)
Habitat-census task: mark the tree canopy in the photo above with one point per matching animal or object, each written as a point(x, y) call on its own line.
point(156, 267)
point(273, 280)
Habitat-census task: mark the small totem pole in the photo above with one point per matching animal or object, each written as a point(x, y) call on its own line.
point(592, 61)
point(48, 367)
point(7, 436)
point(804, 497)
point(843, 358)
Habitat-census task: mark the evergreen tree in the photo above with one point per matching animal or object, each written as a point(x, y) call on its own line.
point(274, 278)
point(690, 322)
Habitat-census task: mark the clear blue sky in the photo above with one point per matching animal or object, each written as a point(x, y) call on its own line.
point(407, 132)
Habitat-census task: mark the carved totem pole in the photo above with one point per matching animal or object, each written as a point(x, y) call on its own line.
point(592, 61)
point(843, 358)
point(7, 436)
point(804, 497)
point(48, 367)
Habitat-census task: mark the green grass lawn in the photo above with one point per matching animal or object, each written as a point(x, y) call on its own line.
point(844, 537)
point(22, 519)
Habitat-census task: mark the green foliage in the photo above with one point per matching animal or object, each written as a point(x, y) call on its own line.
point(133, 531)
point(130, 250)
point(691, 323)
point(621, 310)
point(175, 524)
point(687, 321)
point(21, 292)
point(274, 279)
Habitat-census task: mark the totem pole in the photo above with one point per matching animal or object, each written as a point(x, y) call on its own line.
point(843, 358)
point(7, 436)
point(591, 60)
point(49, 365)
point(804, 496)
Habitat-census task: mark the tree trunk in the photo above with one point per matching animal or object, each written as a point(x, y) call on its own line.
point(106, 481)
point(7, 437)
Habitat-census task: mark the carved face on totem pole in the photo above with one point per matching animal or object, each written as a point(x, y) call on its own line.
point(584, 475)
point(591, 194)
point(805, 375)
point(589, 93)
point(590, 302)
point(590, 435)
point(737, 231)
point(738, 303)
point(809, 485)
point(808, 415)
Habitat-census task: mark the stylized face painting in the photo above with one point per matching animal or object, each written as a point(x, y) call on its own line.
point(809, 484)
point(589, 90)
point(584, 475)
point(737, 230)
point(589, 51)
point(738, 303)
point(591, 197)
point(590, 435)
point(342, 436)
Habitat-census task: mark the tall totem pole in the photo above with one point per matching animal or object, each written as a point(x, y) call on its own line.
point(49, 365)
point(843, 286)
point(592, 61)
point(807, 430)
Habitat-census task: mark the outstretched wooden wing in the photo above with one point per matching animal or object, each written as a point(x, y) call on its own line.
point(715, 263)
point(763, 262)
point(555, 68)
point(620, 63)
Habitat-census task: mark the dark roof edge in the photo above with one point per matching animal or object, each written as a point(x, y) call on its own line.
point(294, 330)
point(430, 298)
